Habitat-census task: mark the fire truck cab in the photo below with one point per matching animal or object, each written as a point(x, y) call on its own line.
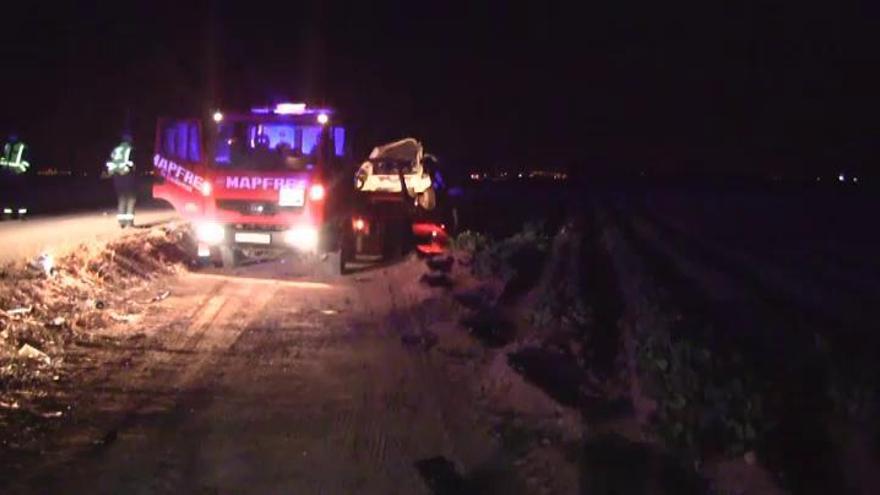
point(268, 179)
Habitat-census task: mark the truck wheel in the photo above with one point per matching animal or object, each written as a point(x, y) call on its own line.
point(227, 257)
point(345, 255)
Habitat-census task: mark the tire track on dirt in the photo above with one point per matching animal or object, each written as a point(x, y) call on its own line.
point(211, 327)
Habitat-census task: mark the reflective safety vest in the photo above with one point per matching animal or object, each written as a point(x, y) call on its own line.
point(120, 162)
point(13, 157)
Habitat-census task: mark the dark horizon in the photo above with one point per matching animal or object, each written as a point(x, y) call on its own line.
point(770, 89)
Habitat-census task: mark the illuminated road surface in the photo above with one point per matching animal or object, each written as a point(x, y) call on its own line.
point(60, 233)
point(245, 384)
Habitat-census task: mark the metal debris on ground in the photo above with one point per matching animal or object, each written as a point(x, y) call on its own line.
point(125, 318)
point(57, 321)
point(19, 311)
point(48, 304)
point(161, 296)
point(30, 352)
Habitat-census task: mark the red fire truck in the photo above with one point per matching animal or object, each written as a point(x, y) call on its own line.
point(271, 178)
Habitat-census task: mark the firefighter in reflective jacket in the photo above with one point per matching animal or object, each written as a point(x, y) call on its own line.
point(13, 156)
point(121, 169)
point(13, 181)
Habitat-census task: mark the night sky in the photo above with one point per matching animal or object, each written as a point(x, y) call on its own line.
point(785, 87)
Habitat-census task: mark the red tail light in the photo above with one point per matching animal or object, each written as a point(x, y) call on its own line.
point(316, 192)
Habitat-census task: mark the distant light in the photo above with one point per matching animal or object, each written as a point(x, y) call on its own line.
point(22, 211)
point(855, 179)
point(7, 211)
point(323, 118)
point(218, 117)
point(290, 108)
point(359, 224)
point(818, 179)
point(841, 178)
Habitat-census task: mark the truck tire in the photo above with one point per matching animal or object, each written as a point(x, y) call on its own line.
point(346, 254)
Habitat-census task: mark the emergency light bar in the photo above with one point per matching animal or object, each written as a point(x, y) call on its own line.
point(290, 109)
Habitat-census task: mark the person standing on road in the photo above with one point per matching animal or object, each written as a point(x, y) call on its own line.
point(13, 156)
point(12, 170)
point(121, 169)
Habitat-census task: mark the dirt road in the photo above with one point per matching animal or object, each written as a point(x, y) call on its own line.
point(239, 384)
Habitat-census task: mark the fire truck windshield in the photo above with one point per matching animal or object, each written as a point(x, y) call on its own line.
point(272, 146)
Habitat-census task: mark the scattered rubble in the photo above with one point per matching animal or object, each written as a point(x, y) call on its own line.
point(53, 302)
point(30, 352)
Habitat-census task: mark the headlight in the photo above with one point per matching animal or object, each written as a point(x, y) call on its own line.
point(210, 232)
point(304, 237)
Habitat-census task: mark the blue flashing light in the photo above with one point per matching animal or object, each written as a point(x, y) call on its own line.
point(339, 140)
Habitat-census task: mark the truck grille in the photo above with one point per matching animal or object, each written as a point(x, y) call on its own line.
point(253, 208)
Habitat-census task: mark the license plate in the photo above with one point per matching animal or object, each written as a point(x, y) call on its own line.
point(253, 238)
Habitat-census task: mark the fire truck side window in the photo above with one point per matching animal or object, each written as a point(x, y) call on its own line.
point(180, 141)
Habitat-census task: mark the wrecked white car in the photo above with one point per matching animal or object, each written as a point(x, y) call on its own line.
point(381, 172)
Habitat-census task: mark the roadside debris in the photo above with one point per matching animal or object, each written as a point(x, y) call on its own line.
point(47, 263)
point(19, 311)
point(124, 318)
point(56, 322)
point(161, 296)
point(30, 352)
point(51, 302)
